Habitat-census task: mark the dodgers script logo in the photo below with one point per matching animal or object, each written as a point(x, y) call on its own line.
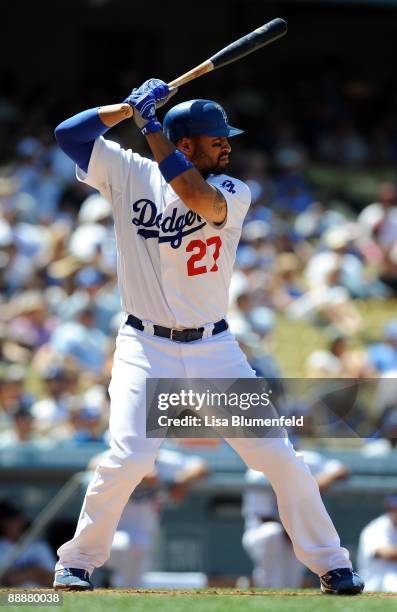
point(173, 226)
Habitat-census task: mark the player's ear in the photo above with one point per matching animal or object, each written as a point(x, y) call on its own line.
point(186, 146)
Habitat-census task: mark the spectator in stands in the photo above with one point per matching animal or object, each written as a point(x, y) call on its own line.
point(338, 360)
point(328, 305)
point(338, 253)
point(82, 341)
point(93, 241)
point(379, 219)
point(33, 566)
point(23, 431)
point(12, 379)
point(377, 550)
point(302, 252)
point(52, 410)
point(260, 360)
point(382, 356)
point(95, 290)
point(87, 424)
point(287, 284)
point(379, 224)
point(384, 439)
point(29, 319)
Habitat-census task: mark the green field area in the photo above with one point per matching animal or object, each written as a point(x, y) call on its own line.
point(218, 601)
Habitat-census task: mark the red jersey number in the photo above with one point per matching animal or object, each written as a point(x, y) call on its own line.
point(198, 248)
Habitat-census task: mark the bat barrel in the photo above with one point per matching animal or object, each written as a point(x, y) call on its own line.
point(260, 37)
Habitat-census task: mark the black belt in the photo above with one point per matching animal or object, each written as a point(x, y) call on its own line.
point(177, 335)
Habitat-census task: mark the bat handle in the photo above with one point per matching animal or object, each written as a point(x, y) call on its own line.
point(196, 72)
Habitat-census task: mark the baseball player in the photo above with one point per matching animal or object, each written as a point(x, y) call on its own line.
point(178, 221)
point(377, 550)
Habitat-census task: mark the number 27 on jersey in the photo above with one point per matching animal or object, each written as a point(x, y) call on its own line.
point(199, 250)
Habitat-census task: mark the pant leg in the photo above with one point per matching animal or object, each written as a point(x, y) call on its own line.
point(131, 454)
point(301, 509)
point(114, 480)
point(302, 512)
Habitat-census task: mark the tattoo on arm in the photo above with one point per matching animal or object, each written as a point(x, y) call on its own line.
point(126, 111)
point(219, 203)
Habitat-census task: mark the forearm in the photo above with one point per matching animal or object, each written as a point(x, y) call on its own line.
point(113, 114)
point(324, 482)
point(192, 474)
point(187, 184)
point(160, 146)
point(326, 479)
point(389, 553)
point(190, 186)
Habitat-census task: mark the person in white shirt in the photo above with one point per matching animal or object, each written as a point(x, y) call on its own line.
point(377, 550)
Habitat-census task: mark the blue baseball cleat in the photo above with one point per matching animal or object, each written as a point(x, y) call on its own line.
point(72, 579)
point(342, 581)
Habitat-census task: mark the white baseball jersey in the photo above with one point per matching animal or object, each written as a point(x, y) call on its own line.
point(174, 268)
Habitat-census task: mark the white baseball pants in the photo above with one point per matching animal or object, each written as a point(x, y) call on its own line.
point(132, 455)
point(132, 543)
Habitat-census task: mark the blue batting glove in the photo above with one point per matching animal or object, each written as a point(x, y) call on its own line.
point(145, 99)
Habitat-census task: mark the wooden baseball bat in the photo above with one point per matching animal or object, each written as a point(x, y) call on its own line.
point(249, 43)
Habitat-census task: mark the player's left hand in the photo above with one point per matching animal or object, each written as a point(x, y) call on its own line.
point(146, 98)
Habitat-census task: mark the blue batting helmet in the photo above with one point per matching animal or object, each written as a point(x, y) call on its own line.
point(197, 118)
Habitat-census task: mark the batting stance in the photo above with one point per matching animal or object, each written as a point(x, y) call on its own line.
point(178, 221)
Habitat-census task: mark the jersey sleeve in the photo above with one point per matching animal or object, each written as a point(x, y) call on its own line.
point(171, 465)
point(110, 166)
point(238, 199)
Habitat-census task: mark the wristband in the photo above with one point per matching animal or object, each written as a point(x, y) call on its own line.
point(151, 127)
point(173, 165)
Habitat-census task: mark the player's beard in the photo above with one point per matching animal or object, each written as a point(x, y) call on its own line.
point(205, 164)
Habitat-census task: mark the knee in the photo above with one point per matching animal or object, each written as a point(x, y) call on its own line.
point(129, 466)
point(263, 539)
point(271, 454)
point(263, 545)
point(262, 454)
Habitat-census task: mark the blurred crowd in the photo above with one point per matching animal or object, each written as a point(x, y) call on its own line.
point(307, 256)
point(304, 255)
